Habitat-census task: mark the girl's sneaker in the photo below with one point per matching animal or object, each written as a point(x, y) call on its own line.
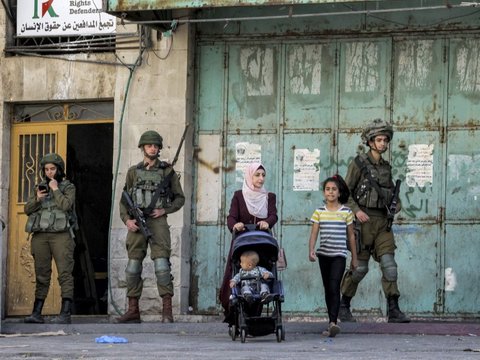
point(333, 330)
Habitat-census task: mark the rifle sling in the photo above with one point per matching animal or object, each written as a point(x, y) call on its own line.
point(364, 169)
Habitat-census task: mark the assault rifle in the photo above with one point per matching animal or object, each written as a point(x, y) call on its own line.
point(175, 158)
point(137, 214)
point(392, 208)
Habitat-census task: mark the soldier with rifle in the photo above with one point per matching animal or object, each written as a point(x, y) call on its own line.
point(152, 191)
point(374, 200)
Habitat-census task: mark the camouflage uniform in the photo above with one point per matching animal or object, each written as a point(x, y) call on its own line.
point(50, 222)
point(376, 240)
point(142, 184)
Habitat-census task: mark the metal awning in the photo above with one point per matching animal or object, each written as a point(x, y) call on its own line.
point(158, 13)
point(143, 5)
point(115, 6)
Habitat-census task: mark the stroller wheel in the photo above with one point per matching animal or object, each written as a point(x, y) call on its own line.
point(243, 335)
point(280, 334)
point(232, 331)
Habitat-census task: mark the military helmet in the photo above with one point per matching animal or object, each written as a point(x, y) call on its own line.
point(150, 137)
point(52, 158)
point(375, 128)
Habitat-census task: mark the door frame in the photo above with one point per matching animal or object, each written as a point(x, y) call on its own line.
point(20, 266)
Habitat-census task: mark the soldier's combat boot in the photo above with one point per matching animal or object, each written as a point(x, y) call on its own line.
point(344, 313)
point(133, 313)
point(36, 317)
point(394, 313)
point(65, 316)
point(167, 309)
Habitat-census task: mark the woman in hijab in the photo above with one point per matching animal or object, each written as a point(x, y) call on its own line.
point(251, 205)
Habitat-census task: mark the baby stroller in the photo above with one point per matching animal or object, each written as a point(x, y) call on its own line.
point(256, 317)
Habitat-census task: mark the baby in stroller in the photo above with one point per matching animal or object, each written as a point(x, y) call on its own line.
point(252, 278)
point(256, 299)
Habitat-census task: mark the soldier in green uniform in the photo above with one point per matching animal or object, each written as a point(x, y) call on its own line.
point(155, 188)
point(50, 220)
point(369, 178)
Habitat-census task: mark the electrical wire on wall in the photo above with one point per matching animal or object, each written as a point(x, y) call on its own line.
point(167, 37)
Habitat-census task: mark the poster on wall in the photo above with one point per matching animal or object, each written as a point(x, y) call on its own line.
point(306, 170)
point(246, 153)
point(63, 18)
point(420, 165)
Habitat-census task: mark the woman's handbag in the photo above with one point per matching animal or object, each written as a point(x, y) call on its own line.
point(282, 260)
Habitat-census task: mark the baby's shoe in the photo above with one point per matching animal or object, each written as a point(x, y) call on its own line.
point(233, 300)
point(248, 297)
point(266, 297)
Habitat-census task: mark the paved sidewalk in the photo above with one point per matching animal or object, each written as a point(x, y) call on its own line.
point(214, 325)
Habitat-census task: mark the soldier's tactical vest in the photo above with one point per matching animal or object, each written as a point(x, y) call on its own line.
point(146, 184)
point(367, 195)
point(49, 218)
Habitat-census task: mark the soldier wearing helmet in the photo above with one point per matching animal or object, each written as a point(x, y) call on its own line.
point(50, 221)
point(155, 189)
point(369, 178)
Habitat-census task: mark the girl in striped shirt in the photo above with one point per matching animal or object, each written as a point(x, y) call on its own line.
point(334, 222)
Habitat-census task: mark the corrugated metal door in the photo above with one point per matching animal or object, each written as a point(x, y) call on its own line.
point(300, 107)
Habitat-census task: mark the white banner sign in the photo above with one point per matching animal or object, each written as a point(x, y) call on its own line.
point(62, 18)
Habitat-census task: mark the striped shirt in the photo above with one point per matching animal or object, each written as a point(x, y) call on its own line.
point(333, 230)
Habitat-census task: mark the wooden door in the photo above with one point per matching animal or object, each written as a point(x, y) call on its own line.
point(29, 143)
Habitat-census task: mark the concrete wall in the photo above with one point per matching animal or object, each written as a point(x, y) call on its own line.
point(158, 99)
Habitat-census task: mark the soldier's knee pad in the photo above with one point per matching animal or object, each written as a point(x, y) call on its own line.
point(389, 267)
point(359, 273)
point(134, 267)
point(162, 271)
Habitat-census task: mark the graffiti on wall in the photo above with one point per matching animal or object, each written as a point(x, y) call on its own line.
point(415, 64)
point(305, 69)
point(362, 67)
point(468, 65)
point(258, 70)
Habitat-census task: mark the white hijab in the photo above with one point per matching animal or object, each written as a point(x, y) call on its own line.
point(256, 199)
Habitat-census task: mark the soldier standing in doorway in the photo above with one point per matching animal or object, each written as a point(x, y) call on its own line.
point(369, 178)
point(51, 220)
point(155, 190)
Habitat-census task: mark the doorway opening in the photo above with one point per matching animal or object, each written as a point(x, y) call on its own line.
point(89, 167)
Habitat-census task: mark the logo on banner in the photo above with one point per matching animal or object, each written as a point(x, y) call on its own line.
point(46, 7)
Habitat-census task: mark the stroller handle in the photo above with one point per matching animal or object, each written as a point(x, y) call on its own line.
point(250, 227)
point(252, 277)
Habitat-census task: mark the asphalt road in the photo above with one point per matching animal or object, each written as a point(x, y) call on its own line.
point(211, 341)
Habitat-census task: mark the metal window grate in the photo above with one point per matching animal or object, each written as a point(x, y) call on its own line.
point(34, 113)
point(32, 148)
